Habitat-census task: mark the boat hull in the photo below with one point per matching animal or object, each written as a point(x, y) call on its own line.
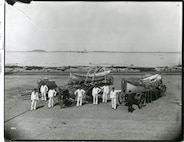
point(141, 85)
point(77, 77)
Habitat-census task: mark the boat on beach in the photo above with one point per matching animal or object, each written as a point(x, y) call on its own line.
point(91, 75)
point(141, 85)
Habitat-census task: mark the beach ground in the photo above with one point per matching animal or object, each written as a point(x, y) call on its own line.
point(159, 120)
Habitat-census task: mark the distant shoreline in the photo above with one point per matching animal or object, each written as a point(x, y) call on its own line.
point(67, 73)
point(65, 70)
point(94, 51)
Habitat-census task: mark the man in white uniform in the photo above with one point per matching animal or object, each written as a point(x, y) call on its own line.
point(34, 99)
point(43, 90)
point(51, 95)
point(105, 92)
point(79, 92)
point(95, 92)
point(113, 97)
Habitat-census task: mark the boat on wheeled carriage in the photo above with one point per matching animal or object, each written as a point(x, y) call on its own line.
point(99, 77)
point(144, 90)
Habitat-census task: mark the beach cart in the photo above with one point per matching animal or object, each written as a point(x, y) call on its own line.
point(144, 90)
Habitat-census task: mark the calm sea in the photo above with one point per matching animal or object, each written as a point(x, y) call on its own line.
point(56, 59)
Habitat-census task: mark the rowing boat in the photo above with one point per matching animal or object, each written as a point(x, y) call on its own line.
point(95, 76)
point(141, 85)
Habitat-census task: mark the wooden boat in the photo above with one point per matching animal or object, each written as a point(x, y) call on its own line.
point(95, 76)
point(98, 74)
point(141, 85)
point(152, 78)
point(144, 90)
point(102, 77)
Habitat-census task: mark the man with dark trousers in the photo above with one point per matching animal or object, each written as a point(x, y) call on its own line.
point(130, 101)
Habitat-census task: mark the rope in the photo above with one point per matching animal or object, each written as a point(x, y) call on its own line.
point(16, 116)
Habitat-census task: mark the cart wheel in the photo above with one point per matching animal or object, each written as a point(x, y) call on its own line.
point(121, 98)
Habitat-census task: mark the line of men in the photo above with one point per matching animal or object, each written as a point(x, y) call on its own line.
point(43, 90)
point(95, 93)
point(79, 92)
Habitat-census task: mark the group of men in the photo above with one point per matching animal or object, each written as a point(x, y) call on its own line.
point(79, 93)
point(43, 90)
point(95, 93)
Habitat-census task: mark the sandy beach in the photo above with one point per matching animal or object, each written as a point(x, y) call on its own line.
point(159, 120)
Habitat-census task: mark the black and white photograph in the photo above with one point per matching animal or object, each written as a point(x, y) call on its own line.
point(92, 70)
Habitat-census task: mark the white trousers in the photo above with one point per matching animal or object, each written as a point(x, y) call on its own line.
point(113, 102)
point(51, 102)
point(79, 100)
point(104, 97)
point(44, 96)
point(95, 99)
point(33, 104)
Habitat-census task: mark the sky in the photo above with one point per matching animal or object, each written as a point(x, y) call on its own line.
point(104, 26)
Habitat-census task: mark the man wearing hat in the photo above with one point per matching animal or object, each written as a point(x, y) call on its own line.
point(95, 92)
point(105, 92)
point(79, 92)
point(34, 99)
point(113, 97)
point(51, 94)
point(43, 90)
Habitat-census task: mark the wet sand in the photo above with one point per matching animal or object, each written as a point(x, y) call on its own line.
point(159, 120)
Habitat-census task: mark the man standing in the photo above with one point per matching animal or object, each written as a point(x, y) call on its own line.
point(51, 95)
point(113, 97)
point(130, 101)
point(95, 92)
point(34, 99)
point(43, 90)
point(105, 92)
point(79, 92)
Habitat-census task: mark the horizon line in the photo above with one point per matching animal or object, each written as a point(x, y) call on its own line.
point(85, 51)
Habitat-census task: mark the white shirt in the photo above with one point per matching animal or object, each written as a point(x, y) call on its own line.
point(43, 88)
point(95, 91)
point(51, 93)
point(79, 92)
point(105, 89)
point(34, 95)
point(113, 93)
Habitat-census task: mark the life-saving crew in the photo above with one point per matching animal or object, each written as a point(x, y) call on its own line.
point(34, 99)
point(105, 93)
point(51, 95)
point(113, 97)
point(79, 92)
point(95, 92)
point(43, 90)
